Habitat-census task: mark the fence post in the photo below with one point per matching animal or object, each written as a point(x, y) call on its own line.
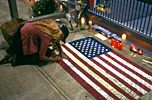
point(13, 8)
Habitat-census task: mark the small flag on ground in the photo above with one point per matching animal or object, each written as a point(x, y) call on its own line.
point(103, 72)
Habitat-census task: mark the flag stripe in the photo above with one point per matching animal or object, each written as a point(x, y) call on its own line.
point(124, 74)
point(129, 61)
point(120, 75)
point(137, 70)
point(107, 76)
point(118, 78)
point(134, 68)
point(81, 81)
point(103, 77)
point(91, 78)
point(133, 72)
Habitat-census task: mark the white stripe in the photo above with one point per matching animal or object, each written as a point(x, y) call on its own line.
point(129, 72)
point(88, 80)
point(93, 65)
point(120, 75)
point(130, 65)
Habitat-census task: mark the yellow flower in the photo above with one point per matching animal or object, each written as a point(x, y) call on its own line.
point(101, 9)
point(39, 12)
point(98, 8)
point(79, 1)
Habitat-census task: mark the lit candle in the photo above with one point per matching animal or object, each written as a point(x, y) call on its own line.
point(112, 42)
point(109, 37)
point(123, 38)
point(116, 44)
point(120, 46)
point(135, 51)
point(132, 47)
point(90, 25)
point(140, 52)
point(82, 22)
point(61, 8)
point(134, 56)
point(131, 54)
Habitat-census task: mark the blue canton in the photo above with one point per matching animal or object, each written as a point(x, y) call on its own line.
point(90, 47)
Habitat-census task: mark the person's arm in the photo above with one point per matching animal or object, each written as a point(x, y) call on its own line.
point(80, 13)
point(60, 49)
point(61, 54)
point(44, 44)
point(56, 59)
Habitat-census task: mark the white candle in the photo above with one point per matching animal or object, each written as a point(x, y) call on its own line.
point(123, 38)
point(61, 8)
point(90, 25)
point(82, 21)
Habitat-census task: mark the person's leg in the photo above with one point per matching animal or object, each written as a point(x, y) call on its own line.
point(31, 59)
point(68, 16)
point(15, 48)
point(77, 19)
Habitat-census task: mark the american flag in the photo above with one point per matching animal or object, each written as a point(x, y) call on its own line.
point(94, 3)
point(104, 73)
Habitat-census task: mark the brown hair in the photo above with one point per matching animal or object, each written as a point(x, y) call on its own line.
point(48, 24)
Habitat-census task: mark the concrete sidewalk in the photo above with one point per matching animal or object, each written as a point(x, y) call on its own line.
point(29, 82)
point(48, 82)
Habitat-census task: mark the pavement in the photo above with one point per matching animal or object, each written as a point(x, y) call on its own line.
point(51, 81)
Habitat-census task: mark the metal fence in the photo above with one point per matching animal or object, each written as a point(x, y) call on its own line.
point(133, 14)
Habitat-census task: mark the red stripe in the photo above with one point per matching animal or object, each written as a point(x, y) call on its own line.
point(134, 64)
point(89, 88)
point(88, 75)
point(94, 80)
point(92, 3)
point(99, 74)
point(118, 78)
point(139, 75)
point(124, 73)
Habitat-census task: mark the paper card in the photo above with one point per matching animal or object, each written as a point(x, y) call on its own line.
point(101, 37)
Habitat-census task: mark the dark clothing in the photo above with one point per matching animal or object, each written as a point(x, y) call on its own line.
point(19, 58)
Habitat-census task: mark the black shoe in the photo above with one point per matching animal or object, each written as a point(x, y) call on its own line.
point(5, 59)
point(14, 61)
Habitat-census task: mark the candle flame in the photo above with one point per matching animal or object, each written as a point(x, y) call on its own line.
point(123, 38)
point(134, 56)
point(90, 22)
point(60, 7)
point(82, 21)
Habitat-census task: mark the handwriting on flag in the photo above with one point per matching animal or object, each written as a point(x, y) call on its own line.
point(103, 72)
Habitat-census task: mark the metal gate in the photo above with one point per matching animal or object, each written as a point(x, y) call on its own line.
point(133, 14)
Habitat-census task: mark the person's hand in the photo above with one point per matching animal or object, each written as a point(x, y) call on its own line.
point(63, 56)
point(57, 59)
